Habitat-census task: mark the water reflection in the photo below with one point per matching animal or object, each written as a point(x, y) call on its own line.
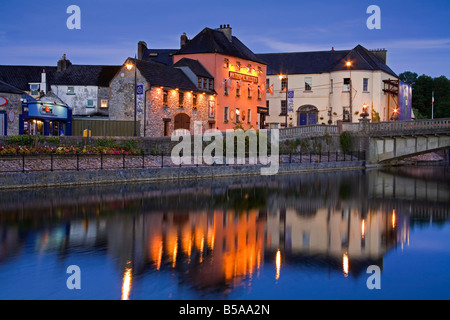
point(216, 236)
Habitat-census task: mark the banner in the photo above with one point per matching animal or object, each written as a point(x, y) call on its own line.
point(140, 98)
point(404, 101)
point(290, 101)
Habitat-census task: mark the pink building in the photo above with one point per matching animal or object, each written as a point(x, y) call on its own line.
point(239, 77)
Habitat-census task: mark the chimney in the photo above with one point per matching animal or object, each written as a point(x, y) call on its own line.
point(381, 54)
point(183, 40)
point(226, 29)
point(142, 47)
point(63, 64)
point(43, 84)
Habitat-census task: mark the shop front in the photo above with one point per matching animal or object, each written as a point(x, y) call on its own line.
point(46, 119)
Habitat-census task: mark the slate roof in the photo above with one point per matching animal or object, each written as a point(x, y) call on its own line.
point(166, 76)
point(196, 67)
point(21, 76)
point(323, 61)
point(7, 88)
point(163, 56)
point(215, 41)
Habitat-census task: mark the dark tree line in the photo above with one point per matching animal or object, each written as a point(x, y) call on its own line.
point(423, 88)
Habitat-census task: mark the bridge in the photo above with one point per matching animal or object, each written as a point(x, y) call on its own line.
point(384, 141)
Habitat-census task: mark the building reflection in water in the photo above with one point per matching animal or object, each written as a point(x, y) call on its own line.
point(221, 239)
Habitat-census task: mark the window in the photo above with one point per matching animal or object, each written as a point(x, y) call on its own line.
point(226, 63)
point(180, 99)
point(267, 83)
point(200, 83)
point(346, 111)
point(194, 100)
point(226, 113)
point(259, 92)
point(103, 103)
point(226, 89)
point(249, 115)
point(366, 84)
point(34, 89)
point(90, 103)
point(284, 84)
point(308, 84)
point(249, 92)
point(331, 86)
point(205, 83)
point(283, 107)
point(238, 115)
point(70, 91)
point(238, 91)
point(346, 85)
point(165, 97)
point(211, 84)
point(268, 106)
point(238, 66)
point(166, 127)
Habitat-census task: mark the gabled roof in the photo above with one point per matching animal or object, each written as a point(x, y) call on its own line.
point(323, 61)
point(7, 88)
point(166, 76)
point(215, 41)
point(84, 75)
point(196, 67)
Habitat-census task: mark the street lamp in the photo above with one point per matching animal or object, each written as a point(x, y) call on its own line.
point(287, 85)
point(130, 66)
point(349, 66)
point(364, 113)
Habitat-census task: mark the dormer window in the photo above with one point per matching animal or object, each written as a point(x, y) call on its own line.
point(34, 89)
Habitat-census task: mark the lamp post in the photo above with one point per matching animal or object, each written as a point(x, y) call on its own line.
point(130, 66)
point(349, 66)
point(287, 86)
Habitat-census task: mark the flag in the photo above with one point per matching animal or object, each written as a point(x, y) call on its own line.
point(250, 86)
point(239, 84)
point(271, 89)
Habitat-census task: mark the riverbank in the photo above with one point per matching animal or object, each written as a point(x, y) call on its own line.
point(71, 178)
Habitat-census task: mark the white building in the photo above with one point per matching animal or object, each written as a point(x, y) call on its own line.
point(319, 86)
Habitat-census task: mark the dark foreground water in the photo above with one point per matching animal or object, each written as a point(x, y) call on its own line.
point(309, 236)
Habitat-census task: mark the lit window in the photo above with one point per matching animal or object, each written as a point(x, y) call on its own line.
point(238, 115)
point(165, 97)
point(103, 103)
point(249, 115)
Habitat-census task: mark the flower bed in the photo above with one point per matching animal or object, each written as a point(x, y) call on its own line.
point(18, 150)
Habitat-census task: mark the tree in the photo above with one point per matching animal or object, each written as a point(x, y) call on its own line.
point(423, 88)
point(408, 77)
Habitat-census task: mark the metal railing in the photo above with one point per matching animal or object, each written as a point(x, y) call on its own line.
point(88, 162)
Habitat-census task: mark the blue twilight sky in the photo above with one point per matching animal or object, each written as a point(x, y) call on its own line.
point(415, 33)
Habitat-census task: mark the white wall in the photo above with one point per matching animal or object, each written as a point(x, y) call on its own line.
point(322, 99)
point(79, 101)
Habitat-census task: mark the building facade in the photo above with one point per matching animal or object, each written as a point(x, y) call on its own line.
point(308, 88)
point(239, 76)
point(168, 98)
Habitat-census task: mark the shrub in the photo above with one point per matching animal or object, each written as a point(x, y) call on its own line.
point(346, 141)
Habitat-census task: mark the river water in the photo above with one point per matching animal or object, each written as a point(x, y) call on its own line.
point(381, 234)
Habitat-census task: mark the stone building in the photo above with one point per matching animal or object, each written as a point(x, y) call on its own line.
point(167, 97)
point(84, 88)
point(10, 109)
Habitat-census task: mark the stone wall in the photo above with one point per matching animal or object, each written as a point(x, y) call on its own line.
point(15, 105)
point(47, 179)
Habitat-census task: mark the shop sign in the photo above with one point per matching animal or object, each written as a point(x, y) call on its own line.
point(3, 101)
point(243, 77)
point(50, 110)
